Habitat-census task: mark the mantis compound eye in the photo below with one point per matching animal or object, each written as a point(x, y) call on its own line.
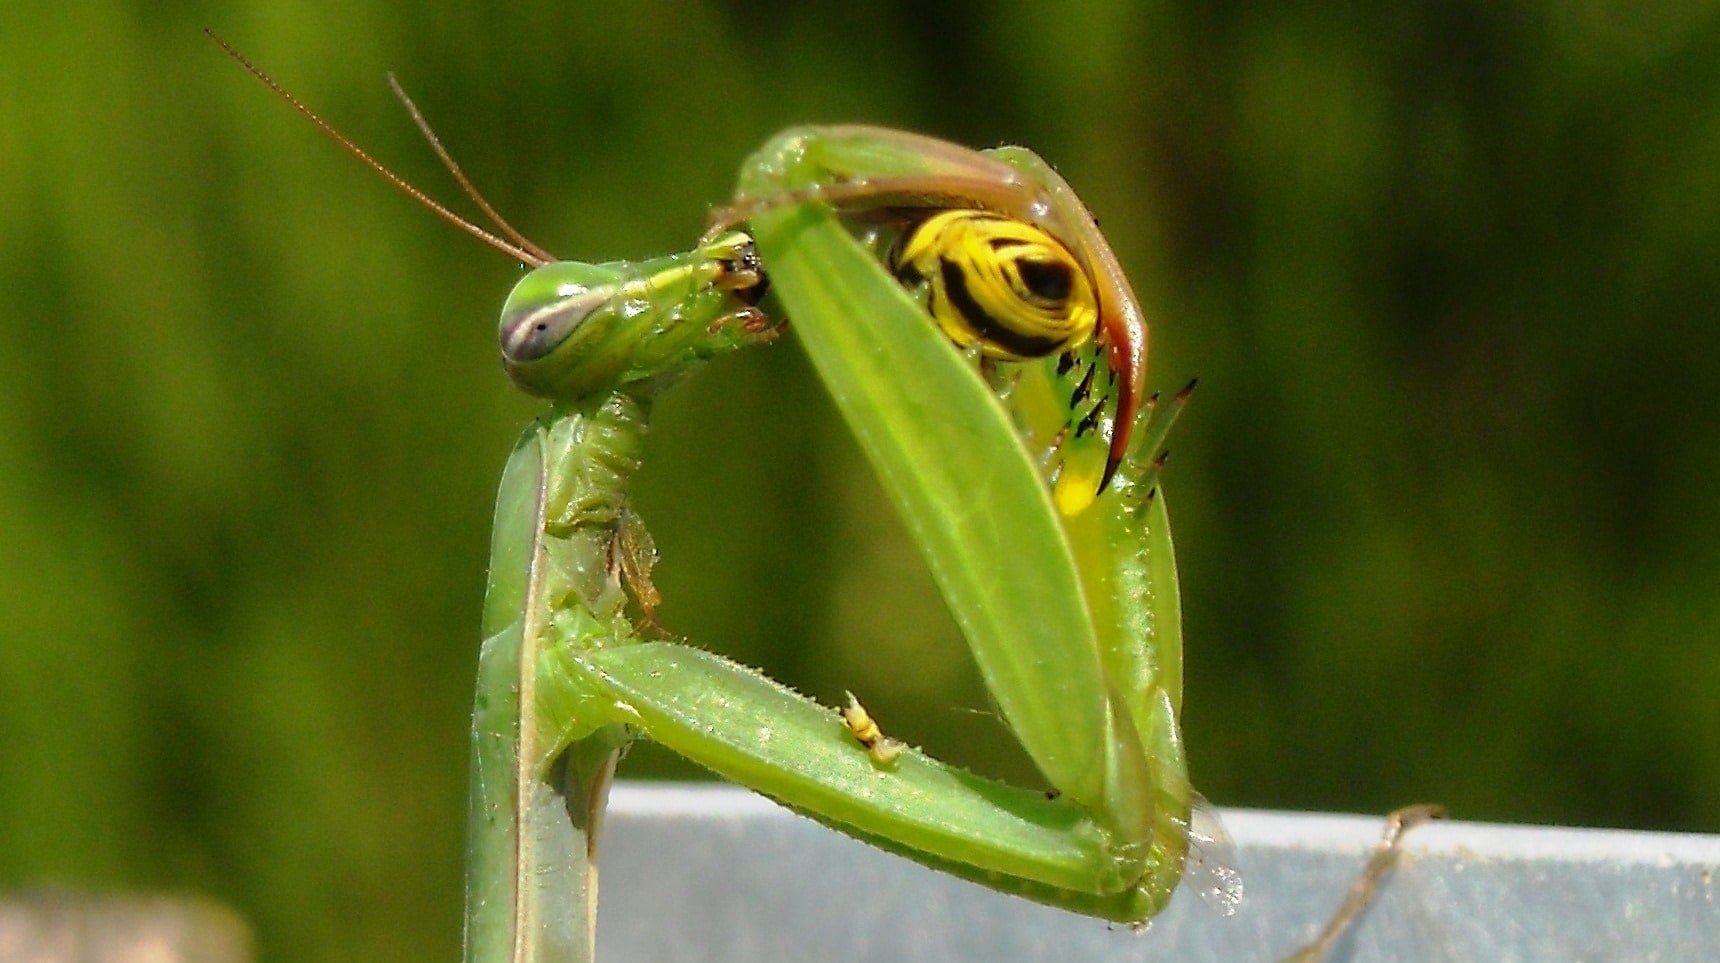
point(548, 307)
point(1000, 283)
point(556, 324)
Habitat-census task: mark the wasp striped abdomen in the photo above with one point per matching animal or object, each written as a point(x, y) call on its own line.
point(1001, 284)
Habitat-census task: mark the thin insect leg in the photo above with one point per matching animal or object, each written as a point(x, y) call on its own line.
point(751, 320)
point(363, 156)
point(633, 555)
point(1159, 424)
point(460, 176)
point(1150, 481)
point(1366, 887)
point(1158, 428)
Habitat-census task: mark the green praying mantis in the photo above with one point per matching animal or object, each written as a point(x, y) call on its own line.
point(1071, 616)
point(983, 344)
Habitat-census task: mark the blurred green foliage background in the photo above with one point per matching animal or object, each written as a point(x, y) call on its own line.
point(1445, 502)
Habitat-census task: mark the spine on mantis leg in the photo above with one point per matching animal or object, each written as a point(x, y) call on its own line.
point(601, 340)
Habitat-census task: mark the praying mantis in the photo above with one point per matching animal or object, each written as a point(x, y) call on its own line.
point(1070, 611)
point(983, 344)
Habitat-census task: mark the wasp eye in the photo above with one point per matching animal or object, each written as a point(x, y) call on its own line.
point(1050, 280)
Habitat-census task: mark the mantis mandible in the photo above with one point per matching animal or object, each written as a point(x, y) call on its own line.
point(984, 346)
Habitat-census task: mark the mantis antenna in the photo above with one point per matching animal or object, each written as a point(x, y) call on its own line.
point(516, 245)
point(460, 176)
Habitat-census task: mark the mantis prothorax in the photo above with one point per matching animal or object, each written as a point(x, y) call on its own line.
point(1024, 478)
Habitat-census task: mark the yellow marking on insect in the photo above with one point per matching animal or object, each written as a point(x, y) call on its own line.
point(999, 283)
point(1063, 407)
point(1018, 294)
point(883, 749)
point(1077, 486)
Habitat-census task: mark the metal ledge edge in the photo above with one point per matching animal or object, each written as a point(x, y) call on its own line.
point(707, 872)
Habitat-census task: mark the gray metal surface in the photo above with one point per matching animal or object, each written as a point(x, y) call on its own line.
point(716, 873)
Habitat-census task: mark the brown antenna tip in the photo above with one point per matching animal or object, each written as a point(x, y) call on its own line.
point(528, 253)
